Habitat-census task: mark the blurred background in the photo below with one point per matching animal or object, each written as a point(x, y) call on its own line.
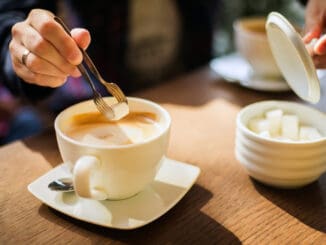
point(14, 113)
point(233, 9)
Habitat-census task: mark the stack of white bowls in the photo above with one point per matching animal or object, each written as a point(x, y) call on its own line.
point(286, 164)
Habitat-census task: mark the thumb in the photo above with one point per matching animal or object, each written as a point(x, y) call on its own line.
point(81, 37)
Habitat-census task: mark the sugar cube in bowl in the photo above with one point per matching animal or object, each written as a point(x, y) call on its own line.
point(281, 143)
point(275, 123)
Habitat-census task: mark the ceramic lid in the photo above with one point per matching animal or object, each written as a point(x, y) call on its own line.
point(292, 57)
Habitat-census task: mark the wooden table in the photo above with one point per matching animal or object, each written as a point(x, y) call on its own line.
point(225, 206)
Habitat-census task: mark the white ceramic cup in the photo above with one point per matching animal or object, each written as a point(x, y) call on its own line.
point(251, 42)
point(113, 171)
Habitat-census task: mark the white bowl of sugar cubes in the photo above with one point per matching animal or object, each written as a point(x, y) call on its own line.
point(281, 143)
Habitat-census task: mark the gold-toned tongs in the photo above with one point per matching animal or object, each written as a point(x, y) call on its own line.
point(113, 112)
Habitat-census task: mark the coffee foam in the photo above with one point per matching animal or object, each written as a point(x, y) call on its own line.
point(95, 129)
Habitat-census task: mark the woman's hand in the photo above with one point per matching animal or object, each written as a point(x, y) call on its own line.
point(315, 25)
point(53, 53)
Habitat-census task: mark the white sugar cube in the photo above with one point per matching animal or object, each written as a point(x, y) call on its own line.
point(280, 126)
point(274, 117)
point(258, 125)
point(120, 110)
point(290, 127)
point(309, 133)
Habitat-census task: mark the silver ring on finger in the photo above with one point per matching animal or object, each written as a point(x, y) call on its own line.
point(24, 56)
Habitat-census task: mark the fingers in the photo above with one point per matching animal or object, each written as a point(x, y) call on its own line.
point(33, 41)
point(314, 19)
point(35, 70)
point(37, 78)
point(33, 62)
point(51, 31)
point(320, 46)
point(319, 51)
point(81, 37)
point(320, 61)
point(310, 46)
point(312, 32)
point(53, 53)
point(315, 22)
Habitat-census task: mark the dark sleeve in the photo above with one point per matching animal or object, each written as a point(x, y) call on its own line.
point(11, 12)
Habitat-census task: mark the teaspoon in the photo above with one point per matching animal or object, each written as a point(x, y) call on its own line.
point(63, 185)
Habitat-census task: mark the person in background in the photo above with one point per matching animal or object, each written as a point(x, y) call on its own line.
point(315, 27)
point(135, 43)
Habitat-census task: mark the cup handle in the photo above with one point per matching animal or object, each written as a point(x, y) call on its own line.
point(82, 178)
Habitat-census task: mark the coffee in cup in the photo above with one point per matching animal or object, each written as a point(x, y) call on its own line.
point(94, 128)
point(251, 42)
point(113, 159)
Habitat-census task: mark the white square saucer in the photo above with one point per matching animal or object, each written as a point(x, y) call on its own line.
point(172, 182)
